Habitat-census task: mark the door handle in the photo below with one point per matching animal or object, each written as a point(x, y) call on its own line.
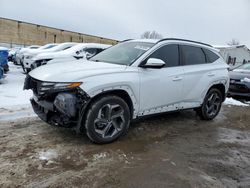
point(210, 74)
point(177, 78)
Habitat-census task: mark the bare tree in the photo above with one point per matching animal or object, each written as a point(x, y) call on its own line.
point(151, 35)
point(233, 42)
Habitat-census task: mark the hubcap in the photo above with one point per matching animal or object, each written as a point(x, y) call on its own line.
point(213, 104)
point(109, 121)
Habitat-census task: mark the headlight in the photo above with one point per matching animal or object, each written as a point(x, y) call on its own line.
point(29, 57)
point(59, 86)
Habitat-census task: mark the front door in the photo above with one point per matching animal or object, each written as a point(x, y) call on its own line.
point(160, 89)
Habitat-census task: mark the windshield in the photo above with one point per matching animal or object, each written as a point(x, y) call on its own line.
point(47, 46)
point(124, 53)
point(244, 67)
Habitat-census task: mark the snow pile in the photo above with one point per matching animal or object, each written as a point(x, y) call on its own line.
point(14, 101)
point(48, 155)
point(246, 80)
point(233, 102)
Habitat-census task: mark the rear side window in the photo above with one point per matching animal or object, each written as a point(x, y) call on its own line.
point(193, 55)
point(211, 56)
point(169, 54)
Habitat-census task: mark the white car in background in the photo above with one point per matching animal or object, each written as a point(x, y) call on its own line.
point(79, 51)
point(27, 60)
point(20, 52)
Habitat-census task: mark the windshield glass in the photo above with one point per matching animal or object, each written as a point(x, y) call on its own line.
point(244, 67)
point(47, 46)
point(124, 53)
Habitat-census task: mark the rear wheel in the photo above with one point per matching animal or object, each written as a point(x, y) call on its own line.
point(211, 105)
point(107, 119)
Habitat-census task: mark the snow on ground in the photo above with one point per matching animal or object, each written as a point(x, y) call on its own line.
point(14, 101)
point(233, 102)
point(48, 155)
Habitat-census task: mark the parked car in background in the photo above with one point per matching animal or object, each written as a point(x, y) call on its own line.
point(79, 51)
point(129, 80)
point(12, 54)
point(4, 59)
point(27, 60)
point(240, 82)
point(19, 53)
point(1, 73)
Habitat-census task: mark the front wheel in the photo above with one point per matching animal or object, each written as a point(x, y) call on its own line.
point(211, 105)
point(107, 119)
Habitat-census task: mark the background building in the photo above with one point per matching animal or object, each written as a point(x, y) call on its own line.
point(235, 55)
point(18, 33)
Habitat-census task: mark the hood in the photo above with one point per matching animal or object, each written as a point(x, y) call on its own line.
point(239, 74)
point(52, 55)
point(74, 71)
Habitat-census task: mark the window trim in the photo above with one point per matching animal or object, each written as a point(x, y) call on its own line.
point(143, 61)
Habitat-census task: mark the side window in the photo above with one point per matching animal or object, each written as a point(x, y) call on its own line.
point(169, 54)
point(193, 55)
point(99, 50)
point(211, 56)
point(66, 47)
point(91, 51)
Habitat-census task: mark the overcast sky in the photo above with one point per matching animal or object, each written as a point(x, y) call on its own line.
point(211, 21)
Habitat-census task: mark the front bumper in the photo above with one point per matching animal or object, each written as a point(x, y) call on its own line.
point(239, 89)
point(63, 107)
point(59, 111)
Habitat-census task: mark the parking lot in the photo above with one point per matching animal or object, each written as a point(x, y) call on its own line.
point(160, 151)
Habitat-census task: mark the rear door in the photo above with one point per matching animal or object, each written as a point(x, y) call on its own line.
point(160, 89)
point(199, 73)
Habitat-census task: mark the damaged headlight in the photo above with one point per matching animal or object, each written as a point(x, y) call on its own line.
point(57, 86)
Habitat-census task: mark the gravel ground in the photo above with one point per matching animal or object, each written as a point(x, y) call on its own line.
point(172, 150)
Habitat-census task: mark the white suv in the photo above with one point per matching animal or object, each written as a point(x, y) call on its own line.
point(129, 80)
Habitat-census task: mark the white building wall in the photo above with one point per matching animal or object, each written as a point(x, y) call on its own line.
point(240, 53)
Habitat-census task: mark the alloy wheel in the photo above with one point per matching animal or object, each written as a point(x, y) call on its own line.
point(109, 121)
point(213, 104)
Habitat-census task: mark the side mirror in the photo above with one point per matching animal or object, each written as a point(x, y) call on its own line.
point(78, 55)
point(154, 63)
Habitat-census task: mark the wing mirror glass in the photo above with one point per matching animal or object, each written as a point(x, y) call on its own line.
point(154, 63)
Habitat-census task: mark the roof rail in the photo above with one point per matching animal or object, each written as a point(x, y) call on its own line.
point(185, 40)
point(125, 40)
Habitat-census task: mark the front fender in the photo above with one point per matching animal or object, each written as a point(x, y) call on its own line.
point(128, 82)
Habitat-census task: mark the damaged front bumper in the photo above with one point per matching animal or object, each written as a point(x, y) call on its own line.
point(63, 108)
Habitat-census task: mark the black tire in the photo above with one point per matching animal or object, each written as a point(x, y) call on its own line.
point(32, 67)
point(24, 70)
point(211, 105)
point(6, 68)
point(101, 124)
